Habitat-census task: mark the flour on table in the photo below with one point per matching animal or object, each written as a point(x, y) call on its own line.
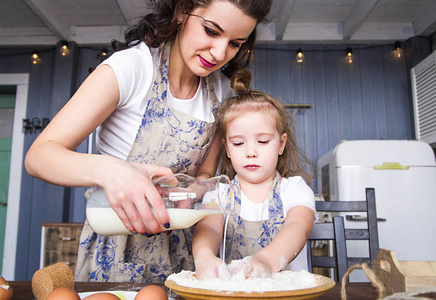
point(281, 281)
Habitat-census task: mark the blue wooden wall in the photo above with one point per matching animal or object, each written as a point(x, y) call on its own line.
point(369, 99)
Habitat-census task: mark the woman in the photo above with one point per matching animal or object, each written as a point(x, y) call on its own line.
point(164, 84)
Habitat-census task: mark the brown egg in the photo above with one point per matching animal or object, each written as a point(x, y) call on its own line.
point(101, 296)
point(5, 292)
point(63, 293)
point(152, 292)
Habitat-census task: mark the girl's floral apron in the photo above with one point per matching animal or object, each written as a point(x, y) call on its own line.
point(245, 238)
point(166, 137)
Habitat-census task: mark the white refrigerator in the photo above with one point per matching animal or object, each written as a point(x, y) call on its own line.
point(403, 173)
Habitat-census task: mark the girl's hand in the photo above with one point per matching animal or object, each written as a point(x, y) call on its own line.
point(131, 194)
point(252, 267)
point(211, 267)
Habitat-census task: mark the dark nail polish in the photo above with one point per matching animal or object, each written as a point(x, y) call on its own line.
point(167, 225)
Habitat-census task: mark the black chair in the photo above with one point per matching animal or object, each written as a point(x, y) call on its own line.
point(370, 233)
point(337, 260)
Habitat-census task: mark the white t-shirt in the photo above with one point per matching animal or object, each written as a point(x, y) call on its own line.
point(293, 192)
point(135, 70)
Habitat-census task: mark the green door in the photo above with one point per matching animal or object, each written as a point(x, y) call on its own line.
point(7, 105)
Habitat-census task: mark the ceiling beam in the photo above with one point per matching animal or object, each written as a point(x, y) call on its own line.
point(27, 36)
point(96, 35)
point(355, 18)
point(50, 17)
point(282, 14)
point(427, 23)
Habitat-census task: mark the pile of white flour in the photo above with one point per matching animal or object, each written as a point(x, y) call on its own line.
point(281, 281)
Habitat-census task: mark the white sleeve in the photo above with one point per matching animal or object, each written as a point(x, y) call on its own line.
point(295, 192)
point(134, 69)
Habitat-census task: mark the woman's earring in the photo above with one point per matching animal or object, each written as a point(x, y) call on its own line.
point(179, 20)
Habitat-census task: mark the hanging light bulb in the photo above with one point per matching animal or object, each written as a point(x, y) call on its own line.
point(34, 59)
point(349, 57)
point(64, 48)
point(398, 52)
point(300, 56)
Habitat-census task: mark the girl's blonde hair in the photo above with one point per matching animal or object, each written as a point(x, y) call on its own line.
point(293, 160)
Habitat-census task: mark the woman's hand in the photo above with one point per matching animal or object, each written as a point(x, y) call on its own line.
point(252, 267)
point(131, 194)
point(211, 267)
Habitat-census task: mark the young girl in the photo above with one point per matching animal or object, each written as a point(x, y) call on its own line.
point(154, 105)
point(274, 207)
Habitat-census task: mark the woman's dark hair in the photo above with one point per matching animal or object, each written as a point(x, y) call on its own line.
point(161, 25)
point(293, 161)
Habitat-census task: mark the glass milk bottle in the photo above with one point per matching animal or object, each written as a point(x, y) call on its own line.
point(186, 198)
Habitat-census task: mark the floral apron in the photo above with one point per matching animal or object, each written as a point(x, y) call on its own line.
point(243, 237)
point(165, 137)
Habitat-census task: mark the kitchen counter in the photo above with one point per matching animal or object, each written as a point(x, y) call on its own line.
point(22, 290)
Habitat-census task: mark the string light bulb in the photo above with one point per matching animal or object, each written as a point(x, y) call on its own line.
point(104, 52)
point(398, 52)
point(349, 57)
point(300, 56)
point(34, 59)
point(64, 48)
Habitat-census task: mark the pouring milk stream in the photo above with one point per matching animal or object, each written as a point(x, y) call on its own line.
point(186, 198)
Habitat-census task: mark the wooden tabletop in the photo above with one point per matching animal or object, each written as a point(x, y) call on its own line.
point(22, 290)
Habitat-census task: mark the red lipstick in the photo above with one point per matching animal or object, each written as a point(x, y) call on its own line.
point(206, 63)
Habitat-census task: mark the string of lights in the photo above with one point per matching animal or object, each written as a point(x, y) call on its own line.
point(35, 55)
point(349, 56)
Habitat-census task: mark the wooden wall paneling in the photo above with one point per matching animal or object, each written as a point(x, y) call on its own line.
point(405, 112)
point(296, 95)
point(390, 93)
point(308, 119)
point(259, 66)
point(310, 125)
point(367, 92)
point(275, 73)
point(41, 209)
point(33, 208)
point(13, 62)
point(345, 113)
point(332, 94)
point(6, 58)
point(3, 61)
point(355, 94)
point(296, 81)
point(282, 83)
point(379, 94)
point(319, 86)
